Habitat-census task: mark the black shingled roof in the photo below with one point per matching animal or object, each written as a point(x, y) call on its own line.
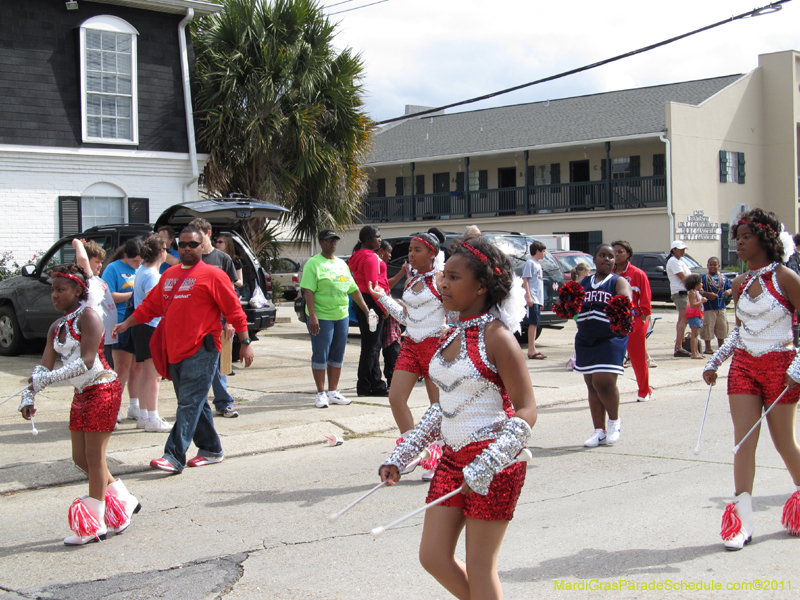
point(582, 118)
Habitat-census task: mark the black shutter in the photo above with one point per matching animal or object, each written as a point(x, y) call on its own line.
point(483, 179)
point(69, 215)
point(603, 173)
point(555, 173)
point(381, 188)
point(531, 174)
point(419, 186)
point(138, 210)
point(460, 181)
point(634, 166)
point(398, 186)
point(723, 166)
point(725, 245)
point(595, 239)
point(740, 159)
point(659, 164)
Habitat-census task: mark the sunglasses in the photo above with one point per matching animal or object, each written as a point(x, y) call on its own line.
point(190, 244)
point(220, 241)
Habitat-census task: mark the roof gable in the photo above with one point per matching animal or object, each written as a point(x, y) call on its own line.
point(582, 118)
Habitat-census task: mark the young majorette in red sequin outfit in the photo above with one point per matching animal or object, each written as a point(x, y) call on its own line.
point(425, 320)
point(763, 364)
point(484, 415)
point(77, 338)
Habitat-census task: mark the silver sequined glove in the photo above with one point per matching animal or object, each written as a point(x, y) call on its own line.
point(427, 431)
point(724, 352)
point(497, 456)
point(794, 369)
point(44, 377)
point(393, 307)
point(27, 399)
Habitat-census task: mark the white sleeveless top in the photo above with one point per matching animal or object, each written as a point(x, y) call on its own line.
point(70, 351)
point(472, 397)
point(766, 320)
point(425, 315)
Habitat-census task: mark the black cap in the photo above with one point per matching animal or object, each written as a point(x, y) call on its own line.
point(327, 234)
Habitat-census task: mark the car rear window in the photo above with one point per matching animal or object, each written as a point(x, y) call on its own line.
point(569, 262)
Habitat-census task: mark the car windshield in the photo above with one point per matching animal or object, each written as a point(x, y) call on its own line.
point(512, 246)
point(690, 262)
point(570, 261)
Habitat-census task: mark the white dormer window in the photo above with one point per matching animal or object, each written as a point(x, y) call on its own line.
point(109, 105)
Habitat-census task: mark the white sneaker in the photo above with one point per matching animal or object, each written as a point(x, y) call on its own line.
point(612, 433)
point(647, 398)
point(121, 416)
point(598, 437)
point(334, 397)
point(652, 363)
point(133, 413)
point(321, 400)
point(158, 426)
point(141, 423)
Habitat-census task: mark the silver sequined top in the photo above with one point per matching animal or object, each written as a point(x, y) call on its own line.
point(766, 322)
point(425, 315)
point(472, 405)
point(70, 351)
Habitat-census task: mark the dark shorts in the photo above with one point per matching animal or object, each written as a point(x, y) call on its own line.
point(141, 334)
point(533, 316)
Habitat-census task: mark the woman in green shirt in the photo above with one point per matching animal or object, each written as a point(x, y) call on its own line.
point(326, 285)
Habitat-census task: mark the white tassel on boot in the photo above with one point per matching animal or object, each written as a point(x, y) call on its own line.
point(737, 522)
point(87, 520)
point(121, 505)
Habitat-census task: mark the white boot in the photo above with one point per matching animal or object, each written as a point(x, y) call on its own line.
point(87, 520)
point(121, 505)
point(737, 522)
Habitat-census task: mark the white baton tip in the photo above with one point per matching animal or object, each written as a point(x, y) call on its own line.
point(525, 455)
point(332, 517)
point(377, 532)
point(35, 432)
point(696, 451)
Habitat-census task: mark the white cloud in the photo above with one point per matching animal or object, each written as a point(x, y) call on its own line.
point(433, 52)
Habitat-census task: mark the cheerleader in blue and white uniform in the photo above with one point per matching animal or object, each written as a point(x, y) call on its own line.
point(599, 351)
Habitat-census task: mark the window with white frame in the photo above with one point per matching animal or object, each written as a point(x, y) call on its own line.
point(108, 81)
point(99, 210)
point(621, 167)
point(731, 167)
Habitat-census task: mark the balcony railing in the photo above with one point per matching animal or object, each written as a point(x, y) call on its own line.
point(617, 194)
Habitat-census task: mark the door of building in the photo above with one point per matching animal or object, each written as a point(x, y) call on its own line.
point(580, 196)
point(507, 178)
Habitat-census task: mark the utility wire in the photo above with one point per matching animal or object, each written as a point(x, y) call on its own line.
point(381, 2)
point(338, 3)
point(756, 12)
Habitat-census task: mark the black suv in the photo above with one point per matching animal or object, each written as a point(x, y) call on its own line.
point(26, 310)
point(654, 264)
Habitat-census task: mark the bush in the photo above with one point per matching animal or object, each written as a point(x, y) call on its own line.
point(9, 267)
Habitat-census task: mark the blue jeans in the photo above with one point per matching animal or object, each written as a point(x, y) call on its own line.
point(327, 347)
point(219, 384)
point(194, 422)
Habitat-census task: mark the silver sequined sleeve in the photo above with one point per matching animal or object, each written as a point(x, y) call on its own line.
point(43, 377)
point(794, 369)
point(724, 352)
point(427, 431)
point(497, 456)
point(393, 307)
point(27, 399)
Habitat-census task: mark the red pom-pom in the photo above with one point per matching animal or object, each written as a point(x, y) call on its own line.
point(116, 516)
point(731, 523)
point(619, 311)
point(791, 514)
point(81, 521)
point(570, 301)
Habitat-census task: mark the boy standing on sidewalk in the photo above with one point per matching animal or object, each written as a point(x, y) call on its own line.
point(716, 288)
point(533, 284)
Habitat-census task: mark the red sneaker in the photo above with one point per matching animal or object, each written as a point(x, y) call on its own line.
point(202, 461)
point(162, 464)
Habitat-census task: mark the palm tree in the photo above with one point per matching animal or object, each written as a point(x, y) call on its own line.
point(282, 111)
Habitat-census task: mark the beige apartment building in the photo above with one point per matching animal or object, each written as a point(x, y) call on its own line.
point(653, 164)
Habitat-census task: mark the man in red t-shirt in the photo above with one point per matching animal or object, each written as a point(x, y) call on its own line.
point(193, 329)
point(642, 298)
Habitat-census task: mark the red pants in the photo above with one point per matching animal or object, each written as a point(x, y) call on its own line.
point(638, 355)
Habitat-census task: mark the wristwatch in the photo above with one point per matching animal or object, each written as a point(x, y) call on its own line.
point(246, 341)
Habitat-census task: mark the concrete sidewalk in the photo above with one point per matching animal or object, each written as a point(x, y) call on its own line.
point(275, 402)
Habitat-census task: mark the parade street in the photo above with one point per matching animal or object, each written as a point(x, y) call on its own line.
point(640, 519)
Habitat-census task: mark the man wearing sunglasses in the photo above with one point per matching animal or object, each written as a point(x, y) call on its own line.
point(192, 324)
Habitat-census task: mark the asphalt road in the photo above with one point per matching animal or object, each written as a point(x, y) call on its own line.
point(642, 513)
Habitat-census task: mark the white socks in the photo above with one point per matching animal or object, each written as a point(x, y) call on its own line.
point(148, 415)
point(154, 415)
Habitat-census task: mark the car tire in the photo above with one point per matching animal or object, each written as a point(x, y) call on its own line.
point(11, 339)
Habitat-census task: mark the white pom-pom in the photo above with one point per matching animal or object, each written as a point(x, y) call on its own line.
point(788, 243)
point(512, 310)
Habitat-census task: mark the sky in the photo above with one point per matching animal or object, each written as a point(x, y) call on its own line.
point(434, 52)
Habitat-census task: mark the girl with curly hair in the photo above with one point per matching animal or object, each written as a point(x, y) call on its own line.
point(764, 364)
point(77, 338)
point(484, 415)
point(599, 351)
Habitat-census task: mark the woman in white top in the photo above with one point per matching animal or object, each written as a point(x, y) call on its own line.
point(677, 271)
